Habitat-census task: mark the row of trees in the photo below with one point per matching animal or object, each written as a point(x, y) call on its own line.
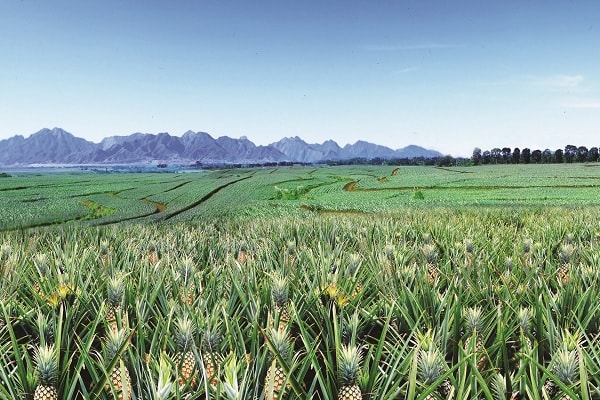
point(505, 155)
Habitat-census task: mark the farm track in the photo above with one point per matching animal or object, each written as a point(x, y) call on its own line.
point(204, 198)
point(177, 187)
point(351, 187)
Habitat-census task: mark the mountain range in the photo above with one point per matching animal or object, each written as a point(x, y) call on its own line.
point(56, 146)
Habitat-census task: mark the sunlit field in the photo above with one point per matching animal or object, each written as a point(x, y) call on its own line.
point(364, 282)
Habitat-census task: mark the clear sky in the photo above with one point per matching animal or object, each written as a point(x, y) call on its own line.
point(446, 75)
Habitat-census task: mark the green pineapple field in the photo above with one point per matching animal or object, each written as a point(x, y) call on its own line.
point(360, 282)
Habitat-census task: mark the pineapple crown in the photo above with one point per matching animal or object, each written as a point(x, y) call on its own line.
point(430, 365)
point(566, 252)
point(46, 365)
point(473, 320)
point(349, 328)
point(5, 251)
point(115, 290)
point(565, 365)
point(211, 340)
point(114, 344)
point(353, 264)
point(349, 359)
point(104, 246)
point(468, 243)
point(45, 329)
point(524, 317)
point(41, 262)
point(184, 336)
point(430, 253)
point(389, 250)
point(279, 290)
point(527, 243)
point(280, 342)
point(291, 247)
point(186, 269)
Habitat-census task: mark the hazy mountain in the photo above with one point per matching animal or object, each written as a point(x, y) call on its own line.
point(298, 150)
point(57, 146)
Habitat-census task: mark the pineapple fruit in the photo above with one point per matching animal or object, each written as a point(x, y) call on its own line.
point(211, 357)
point(275, 380)
point(187, 287)
point(432, 270)
point(185, 360)
point(279, 297)
point(349, 359)
point(46, 365)
point(564, 270)
point(119, 383)
point(115, 293)
point(473, 322)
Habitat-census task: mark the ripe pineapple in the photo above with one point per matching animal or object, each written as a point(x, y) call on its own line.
point(115, 292)
point(473, 321)
point(119, 383)
point(187, 287)
point(349, 359)
point(104, 252)
point(46, 366)
point(279, 296)
point(153, 256)
point(564, 270)
point(185, 359)
point(432, 270)
point(211, 358)
point(275, 378)
point(242, 255)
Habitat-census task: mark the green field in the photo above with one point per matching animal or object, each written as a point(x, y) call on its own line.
point(450, 283)
point(30, 200)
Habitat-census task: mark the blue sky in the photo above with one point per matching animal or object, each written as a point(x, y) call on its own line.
point(446, 75)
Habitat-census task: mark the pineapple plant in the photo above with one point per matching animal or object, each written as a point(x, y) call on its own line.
point(46, 367)
point(185, 360)
point(349, 359)
point(279, 297)
point(275, 380)
point(211, 357)
point(290, 253)
point(115, 293)
point(119, 381)
point(431, 365)
point(565, 366)
point(187, 287)
point(473, 324)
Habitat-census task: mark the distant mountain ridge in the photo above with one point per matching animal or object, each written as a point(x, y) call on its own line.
point(57, 146)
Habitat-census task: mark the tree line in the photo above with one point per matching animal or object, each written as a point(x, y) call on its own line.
point(506, 155)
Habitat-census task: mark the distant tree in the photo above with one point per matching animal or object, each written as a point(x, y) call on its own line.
point(496, 155)
point(506, 154)
point(570, 153)
point(516, 155)
point(486, 158)
point(526, 154)
point(582, 153)
point(446, 161)
point(536, 156)
point(593, 154)
point(476, 158)
point(559, 156)
point(547, 156)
